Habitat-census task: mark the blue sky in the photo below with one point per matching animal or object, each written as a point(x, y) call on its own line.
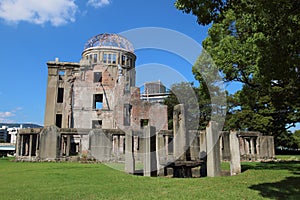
point(34, 32)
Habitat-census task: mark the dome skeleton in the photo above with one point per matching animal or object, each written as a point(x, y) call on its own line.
point(110, 41)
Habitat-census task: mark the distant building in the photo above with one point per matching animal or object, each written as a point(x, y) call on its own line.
point(3, 134)
point(154, 92)
point(12, 133)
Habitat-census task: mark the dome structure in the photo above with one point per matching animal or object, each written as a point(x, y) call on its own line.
point(107, 40)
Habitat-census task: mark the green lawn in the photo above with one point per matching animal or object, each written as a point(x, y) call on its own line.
point(280, 180)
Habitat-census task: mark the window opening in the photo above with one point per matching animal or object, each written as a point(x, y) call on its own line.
point(127, 61)
point(97, 77)
point(97, 124)
point(114, 58)
point(144, 123)
point(60, 95)
point(61, 73)
point(109, 58)
point(58, 120)
point(105, 58)
point(127, 110)
point(95, 58)
point(123, 60)
point(98, 101)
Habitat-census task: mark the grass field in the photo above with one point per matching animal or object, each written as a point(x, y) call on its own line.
point(277, 180)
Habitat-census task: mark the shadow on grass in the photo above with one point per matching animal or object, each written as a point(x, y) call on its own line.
point(293, 166)
point(289, 188)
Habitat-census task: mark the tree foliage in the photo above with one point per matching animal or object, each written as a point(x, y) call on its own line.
point(296, 137)
point(196, 102)
point(256, 43)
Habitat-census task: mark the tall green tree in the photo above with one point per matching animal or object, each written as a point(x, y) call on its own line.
point(255, 42)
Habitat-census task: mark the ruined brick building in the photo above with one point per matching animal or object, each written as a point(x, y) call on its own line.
point(96, 93)
point(99, 91)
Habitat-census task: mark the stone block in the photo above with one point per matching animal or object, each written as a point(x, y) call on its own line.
point(129, 153)
point(100, 145)
point(49, 143)
point(150, 160)
point(235, 159)
point(213, 150)
point(181, 143)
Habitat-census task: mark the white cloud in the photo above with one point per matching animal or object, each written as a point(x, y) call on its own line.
point(5, 117)
point(57, 12)
point(6, 114)
point(98, 3)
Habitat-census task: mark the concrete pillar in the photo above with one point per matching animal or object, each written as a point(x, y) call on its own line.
point(257, 147)
point(263, 150)
point(116, 145)
point(121, 147)
point(203, 151)
point(167, 145)
point(213, 150)
point(235, 159)
point(150, 161)
point(68, 146)
point(252, 147)
point(160, 153)
point(247, 149)
point(18, 144)
point(37, 151)
point(61, 147)
point(51, 95)
point(266, 147)
point(129, 154)
point(242, 145)
point(226, 146)
point(135, 143)
point(49, 143)
point(30, 145)
point(100, 144)
point(26, 146)
point(181, 143)
point(22, 145)
point(271, 148)
point(194, 145)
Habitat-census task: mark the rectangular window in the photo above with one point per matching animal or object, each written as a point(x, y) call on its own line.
point(60, 95)
point(105, 58)
point(58, 120)
point(109, 58)
point(128, 61)
point(97, 77)
point(95, 58)
point(127, 110)
point(114, 58)
point(97, 124)
point(98, 101)
point(144, 123)
point(123, 60)
point(61, 73)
